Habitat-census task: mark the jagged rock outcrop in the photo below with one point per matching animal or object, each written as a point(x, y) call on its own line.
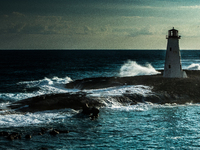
point(54, 101)
point(164, 90)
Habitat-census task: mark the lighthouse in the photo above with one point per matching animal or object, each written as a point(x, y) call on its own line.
point(173, 68)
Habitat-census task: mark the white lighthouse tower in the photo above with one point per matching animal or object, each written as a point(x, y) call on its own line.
point(173, 67)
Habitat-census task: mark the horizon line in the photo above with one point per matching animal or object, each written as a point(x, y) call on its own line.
point(91, 49)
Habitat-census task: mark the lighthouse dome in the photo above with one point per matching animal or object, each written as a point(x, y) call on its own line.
point(173, 33)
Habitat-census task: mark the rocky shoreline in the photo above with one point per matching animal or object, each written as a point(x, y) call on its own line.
point(164, 90)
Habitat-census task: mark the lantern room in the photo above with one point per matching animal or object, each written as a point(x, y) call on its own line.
point(173, 33)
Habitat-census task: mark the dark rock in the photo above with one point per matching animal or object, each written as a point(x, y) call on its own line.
point(133, 103)
point(15, 135)
point(19, 137)
point(92, 117)
point(28, 136)
point(167, 90)
point(54, 132)
point(86, 109)
point(56, 101)
point(40, 133)
point(43, 148)
point(133, 97)
point(123, 99)
point(43, 130)
point(11, 137)
point(4, 133)
point(95, 111)
point(63, 131)
point(92, 112)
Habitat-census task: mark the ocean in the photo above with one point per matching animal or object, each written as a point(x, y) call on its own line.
point(29, 73)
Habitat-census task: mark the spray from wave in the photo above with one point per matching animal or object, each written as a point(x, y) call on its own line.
point(47, 81)
point(194, 67)
point(131, 68)
point(48, 85)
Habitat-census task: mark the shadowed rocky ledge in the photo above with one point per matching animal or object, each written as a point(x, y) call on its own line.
point(165, 90)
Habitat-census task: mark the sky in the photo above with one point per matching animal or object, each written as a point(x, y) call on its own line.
point(98, 24)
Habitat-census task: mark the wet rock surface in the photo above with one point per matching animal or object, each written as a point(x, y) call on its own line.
point(93, 112)
point(28, 136)
point(164, 90)
point(54, 101)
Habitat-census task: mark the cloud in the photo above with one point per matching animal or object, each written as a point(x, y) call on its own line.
point(17, 14)
point(190, 7)
point(33, 24)
point(96, 22)
point(140, 32)
point(20, 23)
point(133, 32)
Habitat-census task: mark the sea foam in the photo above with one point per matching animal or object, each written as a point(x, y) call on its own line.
point(194, 66)
point(45, 86)
point(119, 91)
point(34, 119)
point(47, 81)
point(132, 68)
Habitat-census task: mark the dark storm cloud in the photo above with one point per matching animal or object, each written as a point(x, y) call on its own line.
point(79, 7)
point(71, 7)
point(19, 23)
point(131, 32)
point(63, 7)
point(82, 23)
point(87, 7)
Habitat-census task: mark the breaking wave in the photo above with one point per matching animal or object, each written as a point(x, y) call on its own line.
point(46, 86)
point(47, 81)
point(194, 67)
point(131, 68)
point(119, 91)
point(45, 117)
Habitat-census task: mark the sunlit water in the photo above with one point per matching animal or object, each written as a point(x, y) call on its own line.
point(144, 126)
point(141, 126)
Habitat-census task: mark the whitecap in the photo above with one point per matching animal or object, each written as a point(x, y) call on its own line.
point(3, 106)
point(194, 66)
point(34, 119)
point(138, 107)
point(46, 86)
point(131, 68)
point(16, 96)
point(43, 91)
point(120, 90)
point(46, 81)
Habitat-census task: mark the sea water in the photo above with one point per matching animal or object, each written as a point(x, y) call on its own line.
point(29, 73)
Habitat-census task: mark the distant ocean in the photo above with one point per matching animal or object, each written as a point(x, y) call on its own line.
point(29, 73)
